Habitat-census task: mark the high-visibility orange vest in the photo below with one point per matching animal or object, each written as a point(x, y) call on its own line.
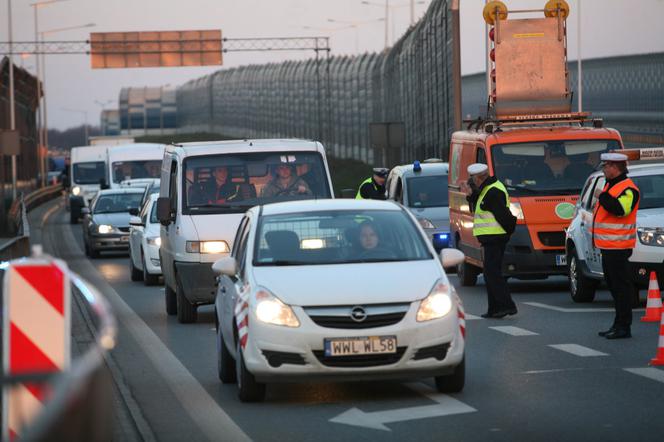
point(611, 231)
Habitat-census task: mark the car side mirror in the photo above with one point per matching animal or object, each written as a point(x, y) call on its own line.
point(225, 266)
point(133, 211)
point(135, 221)
point(451, 258)
point(164, 210)
point(103, 184)
point(348, 193)
point(85, 211)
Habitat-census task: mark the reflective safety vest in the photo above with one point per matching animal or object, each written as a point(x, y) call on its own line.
point(611, 231)
point(484, 222)
point(358, 195)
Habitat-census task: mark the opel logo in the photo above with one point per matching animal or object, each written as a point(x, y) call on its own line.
point(358, 314)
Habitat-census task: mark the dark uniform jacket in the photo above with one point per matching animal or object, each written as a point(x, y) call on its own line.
point(494, 202)
point(372, 191)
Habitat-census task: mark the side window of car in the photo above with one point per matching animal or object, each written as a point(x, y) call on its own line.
point(599, 184)
point(583, 199)
point(398, 193)
point(242, 250)
point(173, 186)
point(238, 236)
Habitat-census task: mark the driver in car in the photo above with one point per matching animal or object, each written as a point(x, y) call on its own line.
point(285, 183)
point(370, 243)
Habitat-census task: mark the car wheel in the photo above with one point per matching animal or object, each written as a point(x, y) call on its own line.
point(452, 383)
point(225, 361)
point(248, 390)
point(467, 274)
point(581, 288)
point(171, 302)
point(136, 274)
point(186, 310)
point(148, 278)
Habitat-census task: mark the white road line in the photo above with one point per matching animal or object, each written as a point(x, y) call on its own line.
point(649, 372)
point(553, 370)
point(578, 350)
point(573, 310)
point(514, 331)
point(203, 410)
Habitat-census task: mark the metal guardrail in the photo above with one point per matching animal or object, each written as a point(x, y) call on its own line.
point(80, 407)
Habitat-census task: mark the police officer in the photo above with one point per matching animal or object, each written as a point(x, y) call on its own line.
point(493, 225)
point(373, 188)
point(614, 233)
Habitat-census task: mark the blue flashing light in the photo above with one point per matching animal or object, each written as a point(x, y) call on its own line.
point(443, 236)
point(417, 167)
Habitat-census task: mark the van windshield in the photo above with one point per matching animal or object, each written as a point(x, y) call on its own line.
point(89, 173)
point(428, 191)
point(234, 182)
point(548, 167)
point(127, 170)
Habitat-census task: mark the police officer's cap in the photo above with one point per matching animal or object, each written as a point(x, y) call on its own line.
point(381, 172)
point(615, 157)
point(477, 169)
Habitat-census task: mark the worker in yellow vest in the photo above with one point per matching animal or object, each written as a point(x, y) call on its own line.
point(373, 188)
point(493, 224)
point(614, 233)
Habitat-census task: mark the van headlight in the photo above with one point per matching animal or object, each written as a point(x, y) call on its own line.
point(212, 247)
point(76, 190)
point(437, 304)
point(271, 310)
point(650, 236)
point(155, 241)
point(104, 229)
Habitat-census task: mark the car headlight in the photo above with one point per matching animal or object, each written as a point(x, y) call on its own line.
point(437, 304)
point(156, 241)
point(76, 190)
point(104, 229)
point(425, 223)
point(650, 236)
point(271, 310)
point(213, 247)
point(516, 210)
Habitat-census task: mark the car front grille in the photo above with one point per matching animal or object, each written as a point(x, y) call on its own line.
point(340, 317)
point(359, 361)
point(552, 239)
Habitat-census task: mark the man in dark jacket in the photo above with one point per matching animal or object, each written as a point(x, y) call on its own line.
point(373, 188)
point(493, 225)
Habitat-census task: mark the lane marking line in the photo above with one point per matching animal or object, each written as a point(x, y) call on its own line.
point(574, 310)
point(649, 372)
point(201, 407)
point(513, 331)
point(553, 370)
point(578, 350)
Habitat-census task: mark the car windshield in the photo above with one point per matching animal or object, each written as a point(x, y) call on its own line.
point(427, 191)
point(89, 173)
point(338, 237)
point(128, 170)
point(117, 202)
point(650, 191)
point(234, 182)
point(548, 167)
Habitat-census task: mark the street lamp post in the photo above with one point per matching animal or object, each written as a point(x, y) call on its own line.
point(12, 105)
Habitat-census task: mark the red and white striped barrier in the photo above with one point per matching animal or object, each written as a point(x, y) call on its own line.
point(36, 335)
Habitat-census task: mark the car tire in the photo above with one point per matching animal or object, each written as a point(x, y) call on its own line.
point(468, 274)
point(581, 288)
point(452, 383)
point(171, 301)
point(148, 278)
point(187, 312)
point(225, 362)
point(136, 274)
point(248, 390)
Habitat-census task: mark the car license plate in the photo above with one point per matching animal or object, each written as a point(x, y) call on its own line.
point(361, 346)
point(561, 260)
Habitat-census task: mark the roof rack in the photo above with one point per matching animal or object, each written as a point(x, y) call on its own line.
point(490, 125)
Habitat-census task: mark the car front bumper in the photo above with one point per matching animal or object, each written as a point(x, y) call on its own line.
point(523, 260)
point(152, 262)
point(198, 281)
point(111, 241)
point(305, 344)
point(640, 272)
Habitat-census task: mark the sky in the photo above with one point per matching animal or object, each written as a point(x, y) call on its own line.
point(608, 27)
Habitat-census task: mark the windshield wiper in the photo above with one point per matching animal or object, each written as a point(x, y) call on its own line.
point(219, 206)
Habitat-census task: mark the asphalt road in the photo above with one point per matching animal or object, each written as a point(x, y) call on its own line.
point(543, 374)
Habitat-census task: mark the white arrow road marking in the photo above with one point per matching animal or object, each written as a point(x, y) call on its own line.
point(573, 310)
point(514, 331)
point(578, 350)
point(649, 372)
point(445, 406)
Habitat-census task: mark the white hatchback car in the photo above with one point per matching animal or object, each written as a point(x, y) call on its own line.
point(336, 290)
point(144, 242)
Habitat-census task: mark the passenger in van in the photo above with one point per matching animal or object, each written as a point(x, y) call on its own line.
point(219, 189)
point(557, 162)
point(152, 169)
point(285, 183)
point(124, 171)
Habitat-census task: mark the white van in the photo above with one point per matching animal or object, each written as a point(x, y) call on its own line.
point(138, 163)
point(88, 173)
point(205, 190)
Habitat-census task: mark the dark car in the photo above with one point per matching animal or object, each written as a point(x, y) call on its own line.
point(106, 222)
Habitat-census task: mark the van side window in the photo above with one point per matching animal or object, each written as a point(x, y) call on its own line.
point(455, 162)
point(481, 155)
point(173, 186)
